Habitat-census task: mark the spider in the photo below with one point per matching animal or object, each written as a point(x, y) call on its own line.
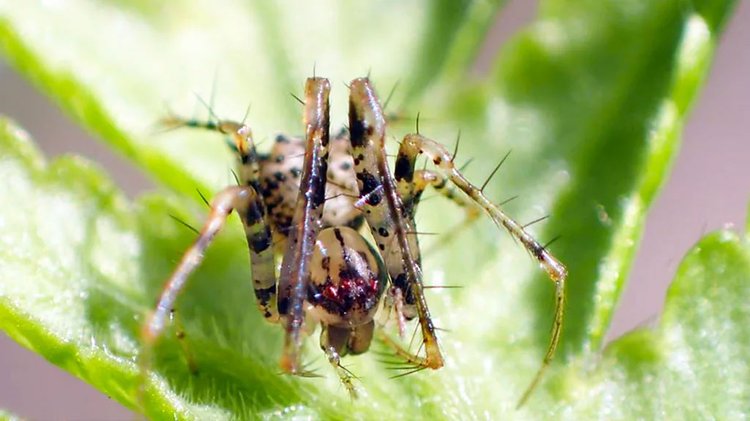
point(306, 201)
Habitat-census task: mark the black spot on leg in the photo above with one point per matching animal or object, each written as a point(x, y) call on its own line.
point(538, 251)
point(356, 127)
point(260, 242)
point(400, 282)
point(345, 166)
point(383, 232)
point(282, 139)
point(279, 159)
point(404, 169)
point(278, 175)
point(374, 199)
point(369, 183)
point(264, 294)
point(295, 172)
point(317, 186)
point(254, 214)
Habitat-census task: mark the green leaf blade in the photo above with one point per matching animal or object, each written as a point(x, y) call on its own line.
point(48, 270)
point(606, 87)
point(691, 365)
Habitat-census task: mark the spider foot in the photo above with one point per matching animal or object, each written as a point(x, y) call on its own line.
point(405, 360)
point(345, 375)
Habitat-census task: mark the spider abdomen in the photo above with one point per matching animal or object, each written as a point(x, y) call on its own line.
point(347, 278)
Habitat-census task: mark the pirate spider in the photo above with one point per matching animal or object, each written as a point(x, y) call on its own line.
point(310, 208)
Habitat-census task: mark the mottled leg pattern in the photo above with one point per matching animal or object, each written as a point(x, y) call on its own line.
point(249, 206)
point(306, 221)
point(411, 192)
point(258, 235)
point(240, 141)
point(411, 184)
point(384, 211)
point(415, 144)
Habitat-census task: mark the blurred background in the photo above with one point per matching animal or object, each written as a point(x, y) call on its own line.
point(709, 189)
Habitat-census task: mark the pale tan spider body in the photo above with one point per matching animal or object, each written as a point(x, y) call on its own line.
point(280, 174)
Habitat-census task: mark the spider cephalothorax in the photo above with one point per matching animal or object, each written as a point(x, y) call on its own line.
point(309, 197)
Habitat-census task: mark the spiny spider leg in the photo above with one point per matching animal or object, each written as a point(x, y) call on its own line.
point(411, 359)
point(385, 212)
point(261, 257)
point(394, 307)
point(249, 206)
point(411, 192)
point(241, 142)
point(306, 221)
point(415, 144)
point(334, 338)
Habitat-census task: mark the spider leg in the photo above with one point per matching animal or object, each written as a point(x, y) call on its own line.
point(337, 342)
point(415, 144)
point(384, 211)
point(261, 257)
point(395, 304)
point(305, 226)
point(249, 206)
point(410, 359)
point(240, 141)
point(346, 376)
point(411, 193)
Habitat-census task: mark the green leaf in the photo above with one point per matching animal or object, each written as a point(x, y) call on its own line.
point(692, 365)
point(591, 98)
